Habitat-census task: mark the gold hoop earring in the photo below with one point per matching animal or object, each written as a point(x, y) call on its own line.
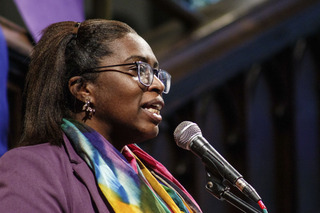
point(88, 108)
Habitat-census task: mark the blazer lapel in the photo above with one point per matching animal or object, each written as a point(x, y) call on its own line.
point(84, 173)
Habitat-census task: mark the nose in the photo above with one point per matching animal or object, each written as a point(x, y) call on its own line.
point(156, 85)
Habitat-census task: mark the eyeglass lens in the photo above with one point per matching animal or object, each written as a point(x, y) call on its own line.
point(165, 78)
point(146, 76)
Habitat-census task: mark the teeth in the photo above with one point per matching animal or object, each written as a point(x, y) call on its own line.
point(157, 106)
point(156, 111)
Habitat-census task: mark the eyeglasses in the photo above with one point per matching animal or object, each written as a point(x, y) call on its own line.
point(145, 73)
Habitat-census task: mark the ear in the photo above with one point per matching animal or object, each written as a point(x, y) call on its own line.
point(79, 88)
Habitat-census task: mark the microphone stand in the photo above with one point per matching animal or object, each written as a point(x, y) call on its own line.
point(216, 187)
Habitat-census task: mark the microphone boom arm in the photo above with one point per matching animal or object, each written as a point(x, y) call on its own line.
point(216, 187)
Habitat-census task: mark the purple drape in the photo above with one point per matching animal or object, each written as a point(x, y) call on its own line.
point(38, 14)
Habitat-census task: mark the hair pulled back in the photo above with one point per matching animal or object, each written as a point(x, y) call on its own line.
point(65, 50)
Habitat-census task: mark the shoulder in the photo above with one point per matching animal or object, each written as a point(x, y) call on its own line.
point(32, 162)
point(36, 154)
point(41, 168)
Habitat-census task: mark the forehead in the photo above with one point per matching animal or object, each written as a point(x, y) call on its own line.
point(130, 48)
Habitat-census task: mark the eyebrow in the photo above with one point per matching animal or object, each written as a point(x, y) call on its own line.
point(141, 58)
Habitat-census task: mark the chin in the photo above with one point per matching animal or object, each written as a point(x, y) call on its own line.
point(147, 135)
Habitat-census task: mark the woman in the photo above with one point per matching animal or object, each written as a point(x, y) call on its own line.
point(93, 90)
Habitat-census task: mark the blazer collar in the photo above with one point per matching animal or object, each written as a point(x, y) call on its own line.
point(84, 173)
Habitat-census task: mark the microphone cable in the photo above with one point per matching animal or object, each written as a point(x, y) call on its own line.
point(262, 206)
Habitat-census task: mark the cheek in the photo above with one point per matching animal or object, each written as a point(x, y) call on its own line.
point(119, 97)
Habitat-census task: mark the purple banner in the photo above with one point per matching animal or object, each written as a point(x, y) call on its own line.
point(4, 112)
point(38, 14)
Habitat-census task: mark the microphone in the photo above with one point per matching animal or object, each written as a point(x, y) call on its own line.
point(188, 136)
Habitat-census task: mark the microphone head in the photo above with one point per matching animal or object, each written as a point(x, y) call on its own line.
point(185, 132)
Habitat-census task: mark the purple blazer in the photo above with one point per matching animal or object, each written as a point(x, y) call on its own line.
point(46, 178)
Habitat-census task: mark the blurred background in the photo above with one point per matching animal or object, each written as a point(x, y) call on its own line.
point(246, 71)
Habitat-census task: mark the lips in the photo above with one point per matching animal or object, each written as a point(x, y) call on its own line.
point(154, 107)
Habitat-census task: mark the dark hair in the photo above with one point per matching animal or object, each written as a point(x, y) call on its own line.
point(65, 50)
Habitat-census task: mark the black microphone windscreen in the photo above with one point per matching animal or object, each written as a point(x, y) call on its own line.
point(185, 132)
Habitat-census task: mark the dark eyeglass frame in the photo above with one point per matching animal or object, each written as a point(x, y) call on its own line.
point(156, 72)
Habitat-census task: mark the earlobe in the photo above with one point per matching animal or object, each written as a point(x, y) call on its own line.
point(78, 88)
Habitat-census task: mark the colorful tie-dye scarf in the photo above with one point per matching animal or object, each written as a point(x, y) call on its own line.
point(124, 179)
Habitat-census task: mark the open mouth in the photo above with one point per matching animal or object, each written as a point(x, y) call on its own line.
point(154, 108)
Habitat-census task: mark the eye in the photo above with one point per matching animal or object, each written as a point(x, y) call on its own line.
point(133, 70)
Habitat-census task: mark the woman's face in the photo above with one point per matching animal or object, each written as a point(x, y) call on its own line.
point(126, 111)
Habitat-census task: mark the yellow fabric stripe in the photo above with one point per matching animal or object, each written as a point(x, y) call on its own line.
point(168, 185)
point(115, 202)
point(158, 188)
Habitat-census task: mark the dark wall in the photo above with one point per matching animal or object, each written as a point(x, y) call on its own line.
point(265, 122)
